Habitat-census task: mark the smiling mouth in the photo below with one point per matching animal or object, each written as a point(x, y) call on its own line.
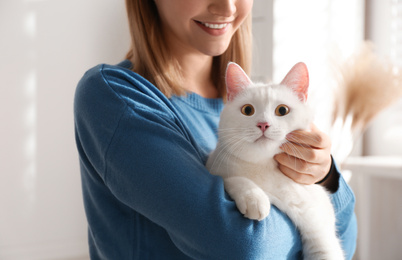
point(216, 26)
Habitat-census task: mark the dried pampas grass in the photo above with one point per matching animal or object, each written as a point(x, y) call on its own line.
point(366, 85)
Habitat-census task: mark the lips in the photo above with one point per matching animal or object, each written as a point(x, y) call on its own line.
point(215, 29)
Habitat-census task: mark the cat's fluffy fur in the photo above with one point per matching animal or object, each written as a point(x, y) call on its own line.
point(244, 157)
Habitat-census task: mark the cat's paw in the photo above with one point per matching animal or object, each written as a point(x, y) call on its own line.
point(254, 204)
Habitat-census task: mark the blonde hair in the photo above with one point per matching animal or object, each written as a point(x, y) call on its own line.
point(151, 58)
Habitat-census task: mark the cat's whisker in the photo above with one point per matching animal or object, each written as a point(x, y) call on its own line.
point(244, 135)
point(236, 147)
point(237, 129)
point(230, 145)
point(233, 144)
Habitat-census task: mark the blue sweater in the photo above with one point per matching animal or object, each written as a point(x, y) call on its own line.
point(147, 193)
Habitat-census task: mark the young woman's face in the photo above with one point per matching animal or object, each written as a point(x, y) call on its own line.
point(204, 26)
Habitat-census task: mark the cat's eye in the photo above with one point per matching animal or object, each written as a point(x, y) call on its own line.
point(282, 110)
point(247, 110)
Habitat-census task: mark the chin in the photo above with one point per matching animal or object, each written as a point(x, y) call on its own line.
point(216, 50)
point(260, 151)
point(269, 147)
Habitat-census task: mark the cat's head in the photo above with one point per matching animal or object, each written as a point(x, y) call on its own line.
point(257, 117)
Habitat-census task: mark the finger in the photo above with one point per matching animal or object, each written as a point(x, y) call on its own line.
point(300, 170)
point(294, 163)
point(311, 155)
point(312, 137)
point(296, 176)
point(302, 152)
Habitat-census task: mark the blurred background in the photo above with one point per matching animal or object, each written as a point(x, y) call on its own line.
point(46, 46)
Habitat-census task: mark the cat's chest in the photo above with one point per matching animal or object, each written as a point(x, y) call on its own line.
point(261, 172)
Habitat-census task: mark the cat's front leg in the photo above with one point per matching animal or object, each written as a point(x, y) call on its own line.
point(250, 199)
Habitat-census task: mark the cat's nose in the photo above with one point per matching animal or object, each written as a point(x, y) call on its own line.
point(263, 126)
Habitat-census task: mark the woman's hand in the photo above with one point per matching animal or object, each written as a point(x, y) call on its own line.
point(306, 157)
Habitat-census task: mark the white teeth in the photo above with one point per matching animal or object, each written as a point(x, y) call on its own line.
point(215, 26)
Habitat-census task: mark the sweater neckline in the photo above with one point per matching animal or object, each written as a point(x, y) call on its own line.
point(209, 105)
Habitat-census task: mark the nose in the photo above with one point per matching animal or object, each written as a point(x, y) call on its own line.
point(225, 8)
point(263, 126)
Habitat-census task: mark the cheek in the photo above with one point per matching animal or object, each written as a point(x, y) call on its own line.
point(243, 124)
point(243, 8)
point(289, 124)
point(176, 15)
point(240, 127)
point(280, 128)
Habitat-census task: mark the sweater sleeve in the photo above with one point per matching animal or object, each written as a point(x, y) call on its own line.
point(344, 203)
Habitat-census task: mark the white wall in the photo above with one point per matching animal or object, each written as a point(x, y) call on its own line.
point(45, 47)
point(263, 16)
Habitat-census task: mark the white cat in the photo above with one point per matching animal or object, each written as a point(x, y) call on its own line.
point(253, 125)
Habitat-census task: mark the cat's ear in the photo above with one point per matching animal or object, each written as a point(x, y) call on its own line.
point(298, 79)
point(236, 80)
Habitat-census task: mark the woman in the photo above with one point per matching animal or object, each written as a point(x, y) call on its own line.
point(145, 127)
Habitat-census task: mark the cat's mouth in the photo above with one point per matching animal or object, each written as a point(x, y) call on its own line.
point(263, 138)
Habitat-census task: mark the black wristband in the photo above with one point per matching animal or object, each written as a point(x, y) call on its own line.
point(331, 170)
